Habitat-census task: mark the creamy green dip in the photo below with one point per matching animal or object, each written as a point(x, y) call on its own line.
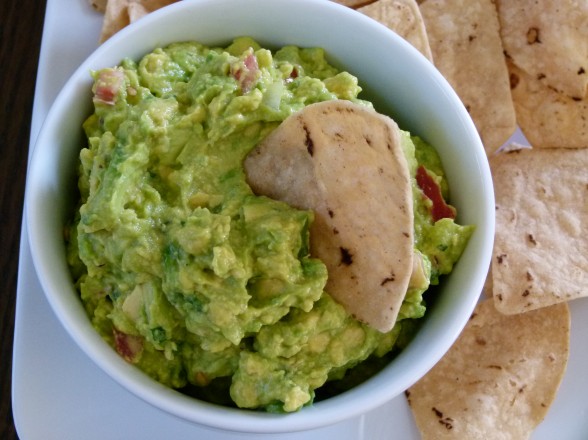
point(182, 269)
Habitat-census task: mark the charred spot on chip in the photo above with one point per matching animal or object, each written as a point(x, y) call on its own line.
point(308, 141)
point(529, 276)
point(389, 279)
point(500, 258)
point(526, 292)
point(531, 239)
point(330, 212)
point(346, 256)
point(533, 35)
point(471, 38)
point(407, 394)
point(514, 80)
point(335, 231)
point(447, 422)
point(581, 71)
point(437, 412)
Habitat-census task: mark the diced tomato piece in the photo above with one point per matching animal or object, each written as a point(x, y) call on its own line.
point(246, 72)
point(431, 190)
point(108, 85)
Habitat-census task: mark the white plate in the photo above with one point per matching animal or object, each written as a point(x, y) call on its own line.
point(58, 393)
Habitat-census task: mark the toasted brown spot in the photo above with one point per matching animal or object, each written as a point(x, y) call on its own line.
point(533, 35)
point(531, 238)
point(526, 292)
point(389, 279)
point(514, 80)
point(447, 422)
point(346, 256)
point(308, 141)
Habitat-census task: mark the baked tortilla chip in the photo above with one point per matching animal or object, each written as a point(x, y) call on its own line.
point(499, 378)
point(116, 18)
point(120, 13)
point(346, 163)
point(540, 252)
point(404, 18)
point(547, 118)
point(136, 11)
point(548, 39)
point(466, 46)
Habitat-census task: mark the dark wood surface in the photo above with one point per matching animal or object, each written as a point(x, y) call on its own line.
point(21, 26)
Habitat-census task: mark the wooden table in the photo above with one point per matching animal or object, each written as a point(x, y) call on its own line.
point(21, 26)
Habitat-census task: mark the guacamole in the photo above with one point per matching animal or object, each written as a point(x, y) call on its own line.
point(182, 269)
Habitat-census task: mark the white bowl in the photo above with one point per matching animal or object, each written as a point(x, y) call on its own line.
point(400, 82)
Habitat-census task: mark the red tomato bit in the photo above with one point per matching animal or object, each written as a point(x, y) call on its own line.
point(431, 190)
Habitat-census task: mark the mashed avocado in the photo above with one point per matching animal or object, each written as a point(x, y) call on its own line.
point(181, 268)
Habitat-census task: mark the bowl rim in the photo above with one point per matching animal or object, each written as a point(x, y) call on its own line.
point(359, 400)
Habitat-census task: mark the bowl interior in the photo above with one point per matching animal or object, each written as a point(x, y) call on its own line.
point(399, 81)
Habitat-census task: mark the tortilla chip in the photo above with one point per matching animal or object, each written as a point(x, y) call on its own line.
point(540, 252)
point(499, 378)
point(404, 18)
point(467, 50)
point(549, 40)
point(121, 13)
point(116, 17)
point(346, 163)
point(136, 11)
point(547, 118)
